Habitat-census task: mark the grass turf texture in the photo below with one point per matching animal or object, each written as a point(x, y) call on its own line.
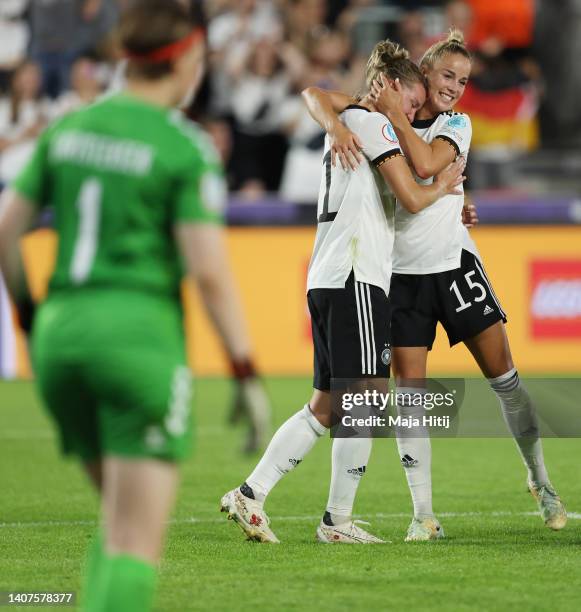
point(497, 557)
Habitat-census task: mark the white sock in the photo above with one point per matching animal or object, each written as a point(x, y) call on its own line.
point(288, 447)
point(520, 416)
point(349, 462)
point(416, 456)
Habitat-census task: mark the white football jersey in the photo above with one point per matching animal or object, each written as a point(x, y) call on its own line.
point(432, 240)
point(356, 210)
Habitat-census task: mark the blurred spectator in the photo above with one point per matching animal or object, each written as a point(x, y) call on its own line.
point(411, 34)
point(23, 115)
point(304, 20)
point(328, 54)
point(61, 31)
point(230, 36)
point(350, 15)
point(261, 83)
point(15, 36)
point(302, 168)
point(458, 14)
point(261, 54)
point(502, 97)
point(96, 21)
point(219, 131)
point(86, 86)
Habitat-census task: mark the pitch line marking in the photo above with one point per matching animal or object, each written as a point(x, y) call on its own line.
point(305, 518)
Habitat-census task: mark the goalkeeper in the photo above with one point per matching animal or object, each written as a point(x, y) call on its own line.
point(138, 194)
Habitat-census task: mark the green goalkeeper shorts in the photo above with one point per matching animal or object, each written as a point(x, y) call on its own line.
point(112, 371)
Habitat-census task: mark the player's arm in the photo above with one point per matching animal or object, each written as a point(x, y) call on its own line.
point(16, 216)
point(19, 205)
point(427, 159)
point(201, 242)
point(414, 197)
point(325, 107)
point(203, 248)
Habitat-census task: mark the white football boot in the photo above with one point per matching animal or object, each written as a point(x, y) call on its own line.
point(249, 515)
point(424, 530)
point(550, 506)
point(346, 533)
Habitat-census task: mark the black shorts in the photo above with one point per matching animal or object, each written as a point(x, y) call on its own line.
point(351, 333)
point(462, 300)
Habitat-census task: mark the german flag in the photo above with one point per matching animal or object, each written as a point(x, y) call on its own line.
point(505, 118)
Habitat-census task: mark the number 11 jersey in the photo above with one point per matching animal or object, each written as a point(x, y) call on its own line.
point(356, 210)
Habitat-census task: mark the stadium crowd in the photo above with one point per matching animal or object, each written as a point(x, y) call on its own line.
point(56, 55)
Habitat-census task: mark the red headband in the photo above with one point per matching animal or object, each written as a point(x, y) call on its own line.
point(168, 52)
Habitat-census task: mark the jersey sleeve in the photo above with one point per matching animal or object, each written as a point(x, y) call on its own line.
point(457, 131)
point(201, 193)
point(378, 137)
point(32, 182)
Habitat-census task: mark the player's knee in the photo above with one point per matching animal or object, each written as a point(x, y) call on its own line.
point(320, 408)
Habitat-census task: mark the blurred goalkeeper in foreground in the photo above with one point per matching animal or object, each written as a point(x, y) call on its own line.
point(137, 191)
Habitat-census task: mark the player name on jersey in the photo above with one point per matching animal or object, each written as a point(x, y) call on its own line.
point(105, 152)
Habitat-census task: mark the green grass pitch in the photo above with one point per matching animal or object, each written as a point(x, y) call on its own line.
point(498, 554)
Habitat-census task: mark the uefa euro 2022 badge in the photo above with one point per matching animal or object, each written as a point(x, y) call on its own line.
point(457, 122)
point(389, 133)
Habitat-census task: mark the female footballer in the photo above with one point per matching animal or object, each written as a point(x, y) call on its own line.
point(138, 195)
point(438, 276)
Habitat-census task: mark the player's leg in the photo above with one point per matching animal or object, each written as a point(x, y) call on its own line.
point(413, 330)
point(138, 495)
point(360, 356)
point(290, 444)
point(145, 425)
point(473, 315)
point(349, 459)
point(491, 351)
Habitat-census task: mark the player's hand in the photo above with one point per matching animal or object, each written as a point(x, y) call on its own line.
point(451, 177)
point(346, 147)
point(387, 96)
point(251, 404)
point(469, 213)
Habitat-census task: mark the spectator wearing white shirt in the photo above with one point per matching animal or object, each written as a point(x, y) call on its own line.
point(86, 86)
point(23, 115)
point(261, 83)
point(15, 36)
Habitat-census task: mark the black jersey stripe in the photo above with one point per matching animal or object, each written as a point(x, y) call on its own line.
point(356, 107)
point(449, 141)
point(326, 216)
point(381, 159)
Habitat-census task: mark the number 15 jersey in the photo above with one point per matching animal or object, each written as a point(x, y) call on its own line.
point(120, 174)
point(356, 210)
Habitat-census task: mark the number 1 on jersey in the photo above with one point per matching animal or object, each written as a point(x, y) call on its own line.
point(89, 207)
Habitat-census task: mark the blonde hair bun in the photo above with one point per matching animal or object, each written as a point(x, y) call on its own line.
point(455, 36)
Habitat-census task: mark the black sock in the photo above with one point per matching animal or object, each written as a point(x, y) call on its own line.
point(247, 491)
point(327, 519)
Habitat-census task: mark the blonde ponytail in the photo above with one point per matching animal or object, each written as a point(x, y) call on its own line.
point(454, 43)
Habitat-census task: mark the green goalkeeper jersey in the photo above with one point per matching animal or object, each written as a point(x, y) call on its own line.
point(120, 174)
